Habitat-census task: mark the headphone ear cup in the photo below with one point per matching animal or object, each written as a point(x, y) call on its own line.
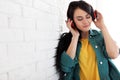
point(73, 25)
point(95, 14)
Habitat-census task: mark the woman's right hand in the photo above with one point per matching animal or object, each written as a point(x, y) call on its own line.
point(71, 51)
point(74, 31)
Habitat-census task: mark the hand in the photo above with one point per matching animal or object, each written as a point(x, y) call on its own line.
point(99, 22)
point(74, 32)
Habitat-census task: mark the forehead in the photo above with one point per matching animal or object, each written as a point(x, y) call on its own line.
point(79, 12)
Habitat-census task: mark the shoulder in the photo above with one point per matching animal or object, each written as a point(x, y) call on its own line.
point(96, 33)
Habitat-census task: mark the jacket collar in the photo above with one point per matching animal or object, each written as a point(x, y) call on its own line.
point(93, 32)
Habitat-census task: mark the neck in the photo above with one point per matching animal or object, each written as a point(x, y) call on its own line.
point(84, 35)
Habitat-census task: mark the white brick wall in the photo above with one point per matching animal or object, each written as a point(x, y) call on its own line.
point(8, 7)
point(11, 35)
point(3, 21)
point(4, 76)
point(21, 23)
point(29, 30)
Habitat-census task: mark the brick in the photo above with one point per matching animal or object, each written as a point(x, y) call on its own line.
point(53, 77)
point(42, 5)
point(22, 23)
point(33, 35)
point(3, 64)
point(42, 26)
point(22, 73)
point(21, 49)
point(4, 76)
point(42, 69)
point(10, 8)
point(23, 2)
point(13, 62)
point(38, 36)
point(50, 62)
point(10, 35)
point(51, 53)
point(38, 76)
point(50, 7)
point(3, 21)
point(51, 71)
point(42, 64)
point(3, 57)
point(3, 50)
point(51, 2)
point(32, 13)
point(46, 46)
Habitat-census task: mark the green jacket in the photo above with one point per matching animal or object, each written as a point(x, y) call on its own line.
point(106, 68)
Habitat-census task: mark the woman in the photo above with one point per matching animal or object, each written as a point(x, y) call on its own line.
point(83, 53)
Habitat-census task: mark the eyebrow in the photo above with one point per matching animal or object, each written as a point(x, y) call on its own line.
point(78, 16)
point(81, 16)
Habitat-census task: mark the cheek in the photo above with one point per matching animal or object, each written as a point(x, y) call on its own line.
point(78, 24)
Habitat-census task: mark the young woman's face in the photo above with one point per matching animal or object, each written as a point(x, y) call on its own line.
point(82, 20)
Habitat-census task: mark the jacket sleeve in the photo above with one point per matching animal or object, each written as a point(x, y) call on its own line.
point(67, 63)
point(113, 71)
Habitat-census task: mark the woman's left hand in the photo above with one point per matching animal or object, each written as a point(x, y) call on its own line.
point(99, 22)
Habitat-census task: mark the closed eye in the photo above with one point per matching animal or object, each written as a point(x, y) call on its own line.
point(88, 16)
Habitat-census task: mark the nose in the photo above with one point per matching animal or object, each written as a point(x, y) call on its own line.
point(85, 21)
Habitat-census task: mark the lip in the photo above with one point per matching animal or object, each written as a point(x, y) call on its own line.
point(86, 26)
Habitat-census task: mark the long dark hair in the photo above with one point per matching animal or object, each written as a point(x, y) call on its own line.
point(65, 38)
point(63, 44)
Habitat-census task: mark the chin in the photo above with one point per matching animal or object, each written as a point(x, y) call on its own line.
point(84, 30)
